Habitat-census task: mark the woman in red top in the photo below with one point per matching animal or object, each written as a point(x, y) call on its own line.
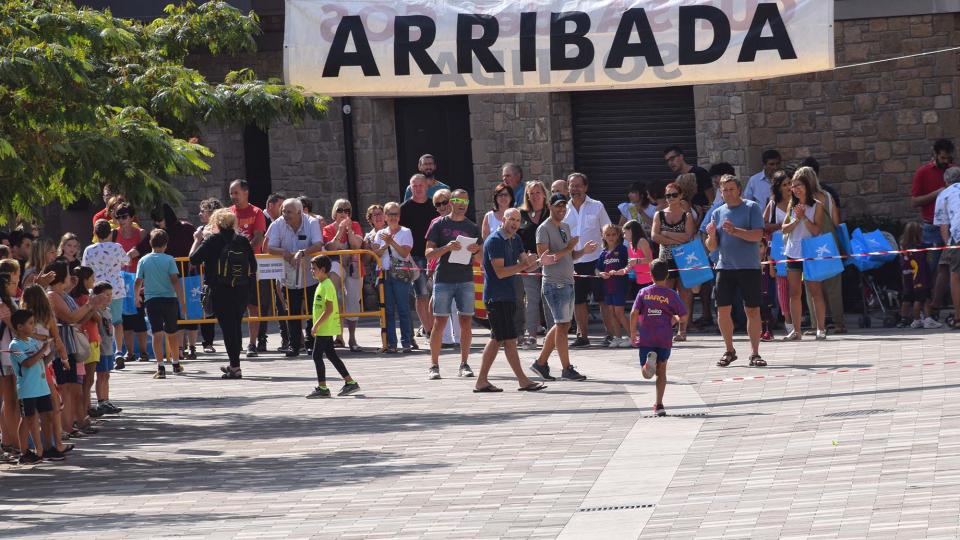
point(344, 233)
point(128, 236)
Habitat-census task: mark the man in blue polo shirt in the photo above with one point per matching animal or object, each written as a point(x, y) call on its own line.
point(735, 230)
point(503, 259)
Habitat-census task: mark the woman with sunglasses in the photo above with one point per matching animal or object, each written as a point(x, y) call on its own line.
point(393, 244)
point(805, 217)
point(672, 227)
point(502, 199)
point(344, 233)
point(129, 235)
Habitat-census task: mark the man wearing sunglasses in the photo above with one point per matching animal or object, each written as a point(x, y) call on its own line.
point(453, 282)
point(416, 213)
point(676, 162)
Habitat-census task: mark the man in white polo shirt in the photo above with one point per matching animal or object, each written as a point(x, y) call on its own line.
point(586, 218)
point(946, 214)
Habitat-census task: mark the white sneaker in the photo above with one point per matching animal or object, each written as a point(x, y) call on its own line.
point(530, 344)
point(649, 368)
point(917, 324)
point(624, 343)
point(929, 323)
point(821, 335)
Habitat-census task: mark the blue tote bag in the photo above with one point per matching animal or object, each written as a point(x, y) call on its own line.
point(777, 254)
point(861, 242)
point(843, 238)
point(693, 263)
point(129, 304)
point(815, 248)
point(192, 285)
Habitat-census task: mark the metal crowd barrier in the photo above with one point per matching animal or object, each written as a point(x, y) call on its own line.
point(271, 271)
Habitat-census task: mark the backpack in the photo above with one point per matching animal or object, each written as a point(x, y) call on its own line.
point(233, 266)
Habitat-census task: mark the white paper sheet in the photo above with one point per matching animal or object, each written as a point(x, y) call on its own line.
point(462, 256)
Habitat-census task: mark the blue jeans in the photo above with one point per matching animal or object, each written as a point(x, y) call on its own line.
point(559, 298)
point(446, 293)
point(396, 294)
point(419, 287)
point(931, 238)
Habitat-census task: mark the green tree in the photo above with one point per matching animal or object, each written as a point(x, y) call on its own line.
point(87, 98)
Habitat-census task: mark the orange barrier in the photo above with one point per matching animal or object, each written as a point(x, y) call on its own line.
point(274, 267)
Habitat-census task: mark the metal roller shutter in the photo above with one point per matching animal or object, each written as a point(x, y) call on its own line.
point(619, 137)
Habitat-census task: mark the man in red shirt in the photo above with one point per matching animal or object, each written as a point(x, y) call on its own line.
point(102, 214)
point(252, 224)
point(927, 184)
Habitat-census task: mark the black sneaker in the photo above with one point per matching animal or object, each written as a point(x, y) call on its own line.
point(52, 454)
point(230, 373)
point(465, 370)
point(208, 349)
point(292, 353)
point(262, 346)
point(95, 412)
point(658, 410)
point(904, 323)
point(191, 354)
point(580, 342)
point(161, 373)
point(178, 369)
point(29, 458)
point(108, 408)
point(284, 346)
point(543, 371)
point(348, 388)
point(144, 358)
point(571, 374)
point(119, 362)
point(251, 351)
point(319, 393)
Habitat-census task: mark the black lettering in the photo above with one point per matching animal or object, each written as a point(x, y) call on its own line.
point(404, 49)
point(633, 18)
point(689, 15)
point(559, 39)
point(467, 46)
point(339, 57)
point(779, 41)
point(528, 41)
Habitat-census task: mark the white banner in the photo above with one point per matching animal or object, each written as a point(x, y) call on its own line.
point(432, 47)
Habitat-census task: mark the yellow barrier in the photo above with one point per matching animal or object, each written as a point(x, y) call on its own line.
point(272, 284)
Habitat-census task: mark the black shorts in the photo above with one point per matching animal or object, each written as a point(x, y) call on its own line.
point(795, 265)
point(915, 295)
point(65, 371)
point(163, 314)
point(136, 322)
point(502, 319)
point(586, 286)
point(745, 281)
point(34, 405)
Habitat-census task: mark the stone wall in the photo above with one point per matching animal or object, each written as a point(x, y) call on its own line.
point(870, 127)
point(533, 130)
point(375, 145)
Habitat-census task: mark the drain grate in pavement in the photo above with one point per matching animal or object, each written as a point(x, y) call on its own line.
point(678, 415)
point(620, 507)
point(863, 412)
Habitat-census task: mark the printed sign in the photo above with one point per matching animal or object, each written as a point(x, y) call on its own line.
point(269, 268)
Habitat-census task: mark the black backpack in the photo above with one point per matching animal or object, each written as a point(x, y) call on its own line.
point(233, 266)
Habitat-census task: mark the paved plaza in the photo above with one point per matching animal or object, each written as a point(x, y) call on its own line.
point(855, 437)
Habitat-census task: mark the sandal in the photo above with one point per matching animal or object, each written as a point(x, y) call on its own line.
point(756, 361)
point(679, 337)
point(230, 373)
point(488, 388)
point(532, 387)
point(387, 350)
point(727, 358)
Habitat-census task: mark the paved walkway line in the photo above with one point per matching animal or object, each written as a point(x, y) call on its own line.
point(644, 464)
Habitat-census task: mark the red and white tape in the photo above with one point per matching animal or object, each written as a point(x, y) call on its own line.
point(829, 372)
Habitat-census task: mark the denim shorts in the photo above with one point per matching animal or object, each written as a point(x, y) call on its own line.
point(116, 310)
point(420, 288)
point(559, 297)
point(931, 238)
point(444, 294)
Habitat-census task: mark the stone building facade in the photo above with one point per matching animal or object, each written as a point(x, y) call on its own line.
point(869, 126)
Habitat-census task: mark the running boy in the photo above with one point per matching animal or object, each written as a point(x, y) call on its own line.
point(26, 354)
point(159, 280)
point(326, 326)
point(655, 311)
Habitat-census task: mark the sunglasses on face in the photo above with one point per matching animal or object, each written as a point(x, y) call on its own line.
point(440, 204)
point(671, 195)
point(343, 210)
point(458, 200)
point(393, 214)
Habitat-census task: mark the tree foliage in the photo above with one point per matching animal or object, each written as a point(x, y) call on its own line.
point(87, 98)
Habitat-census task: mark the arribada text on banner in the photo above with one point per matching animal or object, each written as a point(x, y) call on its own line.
point(430, 47)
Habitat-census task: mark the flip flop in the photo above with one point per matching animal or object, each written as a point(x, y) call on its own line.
point(489, 388)
point(532, 387)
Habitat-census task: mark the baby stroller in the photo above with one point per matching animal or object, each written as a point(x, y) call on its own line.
point(880, 290)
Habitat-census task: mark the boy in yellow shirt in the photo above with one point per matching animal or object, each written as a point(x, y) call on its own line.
point(326, 325)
